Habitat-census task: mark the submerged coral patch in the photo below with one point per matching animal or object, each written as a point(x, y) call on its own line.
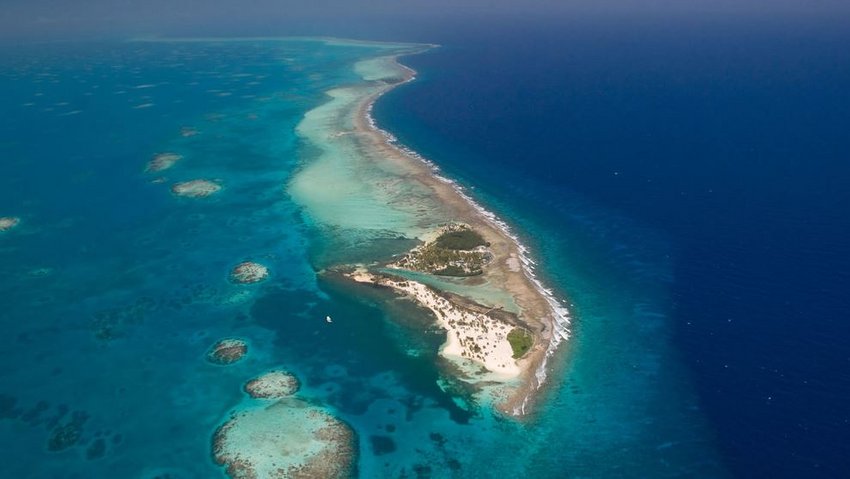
point(249, 272)
point(67, 435)
point(272, 385)
point(8, 222)
point(289, 439)
point(163, 161)
point(196, 188)
point(227, 351)
point(188, 131)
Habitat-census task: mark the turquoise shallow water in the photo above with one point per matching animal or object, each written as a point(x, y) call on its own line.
point(113, 289)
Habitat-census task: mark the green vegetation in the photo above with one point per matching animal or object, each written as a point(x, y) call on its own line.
point(450, 254)
point(521, 341)
point(464, 239)
point(450, 262)
point(456, 271)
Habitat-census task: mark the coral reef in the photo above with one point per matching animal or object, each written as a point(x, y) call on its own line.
point(163, 161)
point(248, 272)
point(289, 439)
point(196, 188)
point(8, 222)
point(272, 385)
point(227, 351)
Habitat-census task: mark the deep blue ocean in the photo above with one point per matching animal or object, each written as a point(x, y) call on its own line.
point(683, 184)
point(717, 149)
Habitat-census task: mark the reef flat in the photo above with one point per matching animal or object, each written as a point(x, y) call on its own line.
point(289, 438)
point(364, 183)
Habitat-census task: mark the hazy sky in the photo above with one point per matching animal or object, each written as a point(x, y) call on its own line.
point(67, 18)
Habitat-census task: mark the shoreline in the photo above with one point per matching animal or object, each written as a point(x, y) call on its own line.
point(511, 270)
point(462, 320)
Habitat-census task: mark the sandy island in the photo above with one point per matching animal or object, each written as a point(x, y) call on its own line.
point(472, 334)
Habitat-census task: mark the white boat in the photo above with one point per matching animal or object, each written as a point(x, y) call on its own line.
point(328, 319)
